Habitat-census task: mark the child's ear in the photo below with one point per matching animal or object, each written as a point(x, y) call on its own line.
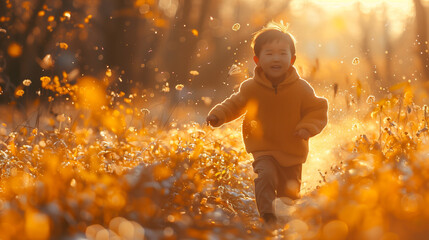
point(256, 59)
point(292, 61)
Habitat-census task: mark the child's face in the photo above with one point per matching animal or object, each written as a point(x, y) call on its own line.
point(275, 59)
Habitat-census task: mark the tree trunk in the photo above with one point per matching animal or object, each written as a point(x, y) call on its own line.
point(387, 46)
point(366, 26)
point(422, 38)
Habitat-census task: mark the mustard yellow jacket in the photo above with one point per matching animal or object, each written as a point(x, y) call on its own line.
point(274, 113)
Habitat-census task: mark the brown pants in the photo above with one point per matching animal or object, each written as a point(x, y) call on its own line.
point(274, 181)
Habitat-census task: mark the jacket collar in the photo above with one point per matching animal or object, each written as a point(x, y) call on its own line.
point(291, 77)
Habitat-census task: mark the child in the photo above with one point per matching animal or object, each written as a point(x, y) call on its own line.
point(281, 114)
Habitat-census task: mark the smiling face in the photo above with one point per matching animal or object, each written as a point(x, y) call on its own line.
point(275, 59)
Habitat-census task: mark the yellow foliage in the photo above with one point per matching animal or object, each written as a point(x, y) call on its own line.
point(37, 225)
point(351, 214)
point(368, 197)
point(19, 92)
point(91, 93)
point(96, 173)
point(335, 230)
point(45, 81)
point(63, 45)
point(114, 121)
point(330, 190)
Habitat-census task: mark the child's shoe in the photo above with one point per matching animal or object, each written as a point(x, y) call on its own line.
point(270, 220)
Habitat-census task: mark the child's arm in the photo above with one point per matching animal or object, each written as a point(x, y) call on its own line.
point(314, 113)
point(230, 109)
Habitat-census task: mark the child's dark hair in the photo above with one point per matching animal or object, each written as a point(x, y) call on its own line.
point(273, 31)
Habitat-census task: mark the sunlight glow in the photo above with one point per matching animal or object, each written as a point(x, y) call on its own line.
point(404, 6)
point(369, 3)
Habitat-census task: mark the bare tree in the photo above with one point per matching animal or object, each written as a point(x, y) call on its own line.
point(385, 77)
point(422, 37)
point(388, 46)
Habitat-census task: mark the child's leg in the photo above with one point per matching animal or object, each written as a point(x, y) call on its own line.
point(265, 184)
point(290, 182)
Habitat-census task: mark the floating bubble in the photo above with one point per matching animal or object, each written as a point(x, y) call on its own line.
point(195, 32)
point(179, 87)
point(73, 183)
point(67, 14)
point(234, 69)
point(207, 100)
point(194, 73)
point(61, 118)
point(26, 82)
point(144, 111)
point(109, 72)
point(166, 88)
point(370, 99)
point(236, 27)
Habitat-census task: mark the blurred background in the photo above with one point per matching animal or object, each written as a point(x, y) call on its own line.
point(197, 52)
point(109, 97)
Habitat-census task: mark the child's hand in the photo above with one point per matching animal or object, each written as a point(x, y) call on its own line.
point(303, 134)
point(212, 120)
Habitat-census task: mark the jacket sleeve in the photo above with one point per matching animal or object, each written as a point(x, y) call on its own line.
point(314, 112)
point(231, 108)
